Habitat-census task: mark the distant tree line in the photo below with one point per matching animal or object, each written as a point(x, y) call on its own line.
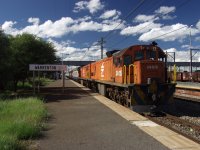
point(16, 53)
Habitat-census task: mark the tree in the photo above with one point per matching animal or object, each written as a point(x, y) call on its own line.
point(5, 60)
point(29, 49)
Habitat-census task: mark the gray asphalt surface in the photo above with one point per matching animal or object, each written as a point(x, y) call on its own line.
point(80, 122)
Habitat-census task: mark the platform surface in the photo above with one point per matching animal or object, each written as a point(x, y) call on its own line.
point(82, 120)
point(189, 85)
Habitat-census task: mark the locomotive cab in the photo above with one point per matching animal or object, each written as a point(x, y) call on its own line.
point(140, 64)
point(144, 71)
point(150, 67)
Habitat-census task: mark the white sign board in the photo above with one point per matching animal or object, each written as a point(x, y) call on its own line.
point(47, 67)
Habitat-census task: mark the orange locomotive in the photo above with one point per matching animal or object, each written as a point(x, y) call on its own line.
point(136, 75)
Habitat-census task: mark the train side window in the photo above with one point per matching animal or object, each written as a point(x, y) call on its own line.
point(139, 55)
point(127, 60)
point(117, 61)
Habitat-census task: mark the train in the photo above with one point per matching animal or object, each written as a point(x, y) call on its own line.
point(185, 76)
point(134, 76)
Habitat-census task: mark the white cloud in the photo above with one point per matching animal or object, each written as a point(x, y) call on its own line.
point(85, 18)
point(185, 46)
point(68, 52)
point(63, 26)
point(34, 20)
point(170, 50)
point(147, 26)
point(168, 17)
point(63, 48)
point(156, 33)
point(7, 26)
point(110, 13)
point(108, 25)
point(197, 38)
point(141, 28)
point(165, 10)
point(169, 33)
point(145, 18)
point(182, 56)
point(162, 12)
point(93, 6)
point(198, 25)
point(149, 30)
point(80, 6)
point(86, 26)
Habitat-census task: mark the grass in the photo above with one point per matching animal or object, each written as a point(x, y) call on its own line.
point(28, 84)
point(20, 119)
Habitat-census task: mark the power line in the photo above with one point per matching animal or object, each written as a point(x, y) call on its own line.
point(158, 15)
point(88, 49)
point(108, 34)
point(155, 4)
point(169, 32)
point(132, 11)
point(158, 4)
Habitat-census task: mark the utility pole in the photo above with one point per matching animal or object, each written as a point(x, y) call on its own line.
point(101, 43)
point(63, 74)
point(173, 57)
point(190, 54)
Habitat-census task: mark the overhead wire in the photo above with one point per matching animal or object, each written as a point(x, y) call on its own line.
point(157, 4)
point(109, 33)
point(88, 49)
point(158, 15)
point(169, 32)
point(128, 15)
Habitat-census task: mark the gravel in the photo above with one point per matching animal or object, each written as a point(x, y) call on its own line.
point(185, 129)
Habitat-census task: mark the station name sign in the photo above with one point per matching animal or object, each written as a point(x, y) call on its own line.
point(47, 67)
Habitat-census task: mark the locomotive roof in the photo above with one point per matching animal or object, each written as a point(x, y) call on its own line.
point(121, 52)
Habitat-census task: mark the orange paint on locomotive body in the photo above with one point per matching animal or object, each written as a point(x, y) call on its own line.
point(149, 69)
point(85, 71)
point(102, 70)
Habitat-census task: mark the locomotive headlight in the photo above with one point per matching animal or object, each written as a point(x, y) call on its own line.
point(153, 97)
point(148, 81)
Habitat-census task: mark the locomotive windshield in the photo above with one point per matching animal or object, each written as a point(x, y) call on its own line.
point(127, 60)
point(139, 55)
point(151, 54)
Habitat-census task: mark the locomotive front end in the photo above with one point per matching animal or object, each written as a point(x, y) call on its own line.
point(150, 79)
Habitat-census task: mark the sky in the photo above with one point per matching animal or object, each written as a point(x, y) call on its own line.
point(75, 27)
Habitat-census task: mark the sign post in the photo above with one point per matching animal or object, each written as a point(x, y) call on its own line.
point(46, 67)
point(33, 82)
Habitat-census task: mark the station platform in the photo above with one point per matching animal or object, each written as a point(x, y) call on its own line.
point(188, 91)
point(83, 120)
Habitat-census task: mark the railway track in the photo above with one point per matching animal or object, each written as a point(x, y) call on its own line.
point(186, 126)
